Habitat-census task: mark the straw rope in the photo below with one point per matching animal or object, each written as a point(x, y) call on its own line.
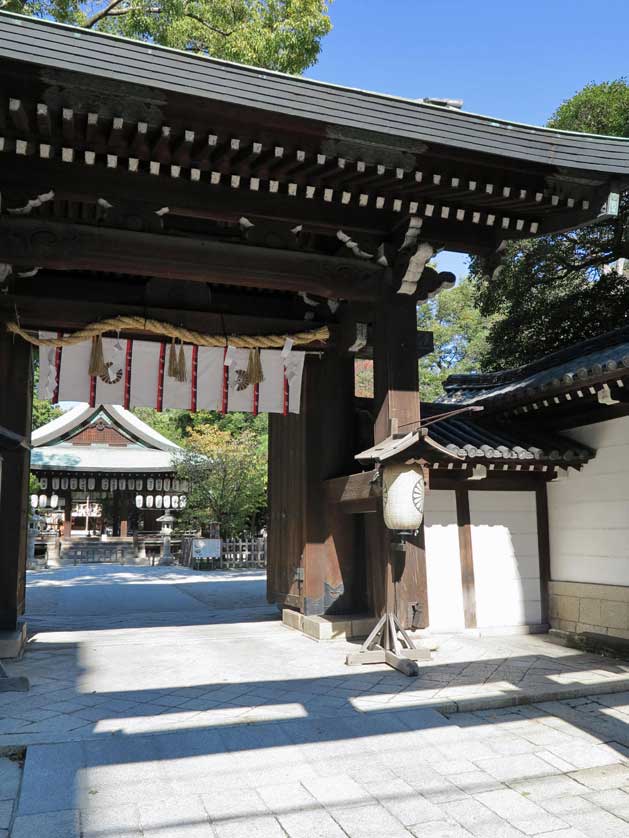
point(156, 327)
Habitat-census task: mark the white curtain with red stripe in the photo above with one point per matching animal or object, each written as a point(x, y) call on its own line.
point(138, 373)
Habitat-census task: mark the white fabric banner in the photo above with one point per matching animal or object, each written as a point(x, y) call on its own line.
point(138, 373)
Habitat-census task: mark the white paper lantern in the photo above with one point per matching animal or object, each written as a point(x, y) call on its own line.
point(82, 484)
point(158, 501)
point(34, 501)
point(55, 483)
point(64, 483)
point(139, 501)
point(138, 484)
point(73, 483)
point(158, 483)
point(43, 501)
point(182, 502)
point(403, 496)
point(166, 501)
point(43, 483)
point(91, 484)
point(54, 501)
point(122, 484)
point(131, 484)
point(174, 501)
point(105, 484)
point(150, 484)
point(149, 501)
point(167, 484)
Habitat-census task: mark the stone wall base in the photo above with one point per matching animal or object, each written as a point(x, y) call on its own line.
point(583, 607)
point(12, 642)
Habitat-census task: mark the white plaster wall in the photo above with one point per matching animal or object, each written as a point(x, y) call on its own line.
point(589, 511)
point(443, 567)
point(506, 558)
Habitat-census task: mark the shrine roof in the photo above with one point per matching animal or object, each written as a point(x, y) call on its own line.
point(585, 368)
point(133, 445)
point(91, 459)
point(60, 428)
point(59, 48)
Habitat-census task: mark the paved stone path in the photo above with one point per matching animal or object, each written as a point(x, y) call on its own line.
point(175, 705)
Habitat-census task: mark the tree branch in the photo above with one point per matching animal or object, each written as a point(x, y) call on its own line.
point(103, 13)
point(203, 23)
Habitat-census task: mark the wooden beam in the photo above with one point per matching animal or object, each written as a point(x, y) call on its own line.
point(466, 557)
point(352, 488)
point(15, 414)
point(543, 547)
point(32, 176)
point(73, 246)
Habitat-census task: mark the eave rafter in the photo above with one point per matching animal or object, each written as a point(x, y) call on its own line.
point(291, 176)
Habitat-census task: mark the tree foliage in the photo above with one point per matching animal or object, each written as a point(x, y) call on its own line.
point(278, 34)
point(564, 288)
point(460, 337)
point(227, 474)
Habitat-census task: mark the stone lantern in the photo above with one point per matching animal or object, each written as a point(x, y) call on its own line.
point(167, 521)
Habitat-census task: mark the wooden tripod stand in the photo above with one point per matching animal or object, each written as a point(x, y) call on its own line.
point(389, 642)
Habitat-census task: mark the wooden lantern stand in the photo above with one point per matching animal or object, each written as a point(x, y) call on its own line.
point(389, 642)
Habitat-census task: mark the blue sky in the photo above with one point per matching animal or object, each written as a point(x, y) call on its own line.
point(513, 60)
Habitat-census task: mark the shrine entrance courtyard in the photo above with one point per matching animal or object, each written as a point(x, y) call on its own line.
point(170, 703)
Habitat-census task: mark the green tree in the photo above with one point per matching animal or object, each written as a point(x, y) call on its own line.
point(282, 35)
point(43, 411)
point(460, 336)
point(560, 289)
point(227, 476)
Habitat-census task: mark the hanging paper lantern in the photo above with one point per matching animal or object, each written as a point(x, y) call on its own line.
point(182, 502)
point(138, 484)
point(82, 484)
point(166, 501)
point(403, 496)
point(64, 483)
point(91, 484)
point(150, 484)
point(131, 484)
point(174, 501)
point(139, 501)
point(34, 501)
point(73, 483)
point(54, 501)
point(114, 483)
point(167, 484)
point(55, 483)
point(149, 501)
point(122, 483)
point(43, 483)
point(43, 501)
point(158, 483)
point(104, 484)
point(158, 501)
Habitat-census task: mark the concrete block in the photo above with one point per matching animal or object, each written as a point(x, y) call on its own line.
point(292, 619)
point(614, 615)
point(567, 607)
point(62, 824)
point(12, 643)
point(590, 611)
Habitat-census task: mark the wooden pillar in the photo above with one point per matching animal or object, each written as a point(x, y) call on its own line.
point(543, 546)
point(67, 516)
point(311, 560)
point(468, 584)
point(124, 515)
point(16, 394)
point(396, 389)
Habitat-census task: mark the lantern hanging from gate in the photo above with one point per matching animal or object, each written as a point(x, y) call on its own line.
point(403, 496)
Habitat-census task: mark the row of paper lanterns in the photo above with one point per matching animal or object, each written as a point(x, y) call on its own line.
point(88, 484)
point(160, 501)
point(141, 501)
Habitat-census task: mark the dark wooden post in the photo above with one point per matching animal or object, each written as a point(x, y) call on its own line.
point(543, 541)
point(124, 515)
point(468, 584)
point(397, 409)
point(311, 561)
point(16, 395)
point(67, 516)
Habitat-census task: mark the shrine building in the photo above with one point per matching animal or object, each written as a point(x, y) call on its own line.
point(103, 472)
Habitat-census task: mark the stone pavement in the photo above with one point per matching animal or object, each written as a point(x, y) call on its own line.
point(175, 704)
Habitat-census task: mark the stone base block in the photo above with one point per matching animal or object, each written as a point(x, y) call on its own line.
point(337, 627)
point(13, 641)
point(506, 631)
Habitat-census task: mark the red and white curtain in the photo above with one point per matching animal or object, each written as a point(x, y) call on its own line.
point(138, 377)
